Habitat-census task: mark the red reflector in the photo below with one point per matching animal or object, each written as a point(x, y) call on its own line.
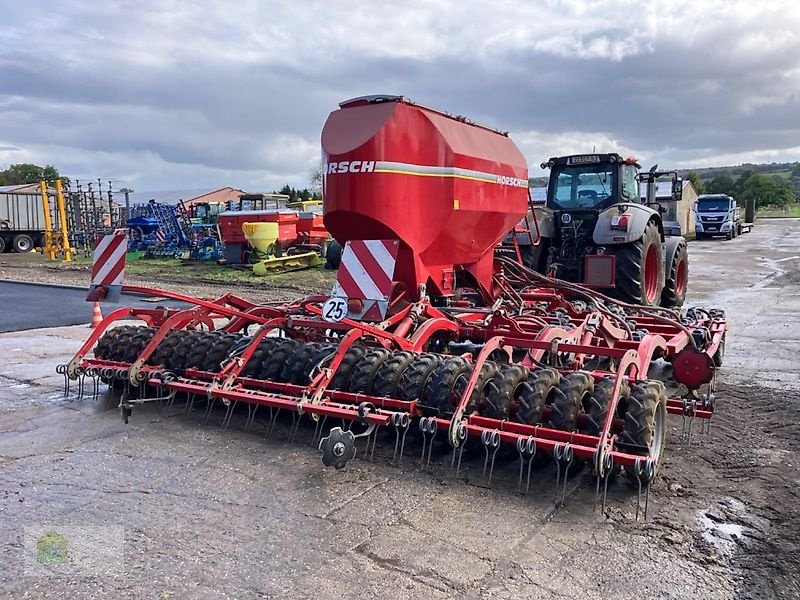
point(355, 305)
point(618, 238)
point(620, 222)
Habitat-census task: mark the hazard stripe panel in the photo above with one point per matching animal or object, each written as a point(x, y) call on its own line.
point(367, 269)
point(108, 267)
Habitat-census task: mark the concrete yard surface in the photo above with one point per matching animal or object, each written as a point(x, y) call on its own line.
point(171, 506)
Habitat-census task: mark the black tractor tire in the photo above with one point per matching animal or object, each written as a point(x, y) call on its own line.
point(2, 244)
point(22, 243)
point(294, 371)
point(414, 381)
point(387, 378)
point(333, 255)
point(645, 424)
point(273, 365)
point(341, 378)
point(630, 279)
point(218, 352)
point(252, 368)
point(503, 391)
point(674, 293)
point(541, 386)
point(600, 402)
point(568, 400)
point(477, 398)
point(363, 375)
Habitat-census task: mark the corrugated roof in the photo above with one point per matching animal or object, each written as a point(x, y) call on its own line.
point(11, 188)
point(172, 196)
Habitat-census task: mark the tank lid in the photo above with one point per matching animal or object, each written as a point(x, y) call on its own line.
point(371, 99)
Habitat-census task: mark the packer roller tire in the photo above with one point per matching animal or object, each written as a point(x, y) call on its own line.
point(199, 350)
point(600, 401)
point(273, 365)
point(219, 351)
point(252, 367)
point(364, 372)
point(502, 398)
point(137, 344)
point(179, 358)
point(166, 349)
point(341, 378)
point(477, 398)
point(569, 398)
point(294, 371)
point(388, 375)
point(542, 384)
point(323, 356)
point(415, 379)
point(438, 397)
point(106, 345)
point(644, 430)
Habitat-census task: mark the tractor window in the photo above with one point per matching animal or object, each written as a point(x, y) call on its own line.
point(630, 186)
point(583, 186)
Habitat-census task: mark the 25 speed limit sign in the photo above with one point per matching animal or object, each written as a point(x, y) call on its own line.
point(334, 310)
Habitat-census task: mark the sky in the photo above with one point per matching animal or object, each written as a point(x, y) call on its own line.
point(167, 94)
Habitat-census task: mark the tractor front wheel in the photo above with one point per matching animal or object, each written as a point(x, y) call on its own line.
point(640, 267)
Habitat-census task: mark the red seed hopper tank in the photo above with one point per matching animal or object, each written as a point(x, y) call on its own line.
point(446, 188)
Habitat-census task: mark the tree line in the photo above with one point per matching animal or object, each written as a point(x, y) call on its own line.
point(27, 173)
point(766, 190)
point(295, 194)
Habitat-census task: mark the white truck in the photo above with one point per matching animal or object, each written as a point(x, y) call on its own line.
point(718, 215)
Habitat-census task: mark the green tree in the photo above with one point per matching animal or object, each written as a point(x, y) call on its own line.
point(24, 173)
point(721, 184)
point(796, 171)
point(766, 191)
point(695, 179)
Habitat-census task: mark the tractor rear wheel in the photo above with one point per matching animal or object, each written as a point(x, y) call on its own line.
point(645, 425)
point(640, 267)
point(677, 280)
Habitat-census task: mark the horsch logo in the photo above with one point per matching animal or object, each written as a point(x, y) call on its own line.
point(350, 166)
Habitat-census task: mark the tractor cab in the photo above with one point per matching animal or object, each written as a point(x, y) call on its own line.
point(591, 182)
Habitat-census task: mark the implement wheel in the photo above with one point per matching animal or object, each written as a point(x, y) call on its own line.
point(441, 389)
point(540, 387)
point(677, 279)
point(640, 266)
point(599, 403)
point(341, 378)
point(504, 390)
point(569, 398)
point(414, 381)
point(387, 378)
point(252, 367)
point(273, 365)
point(364, 372)
point(294, 371)
point(645, 426)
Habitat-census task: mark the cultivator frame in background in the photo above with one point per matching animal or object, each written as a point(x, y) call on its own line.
point(539, 328)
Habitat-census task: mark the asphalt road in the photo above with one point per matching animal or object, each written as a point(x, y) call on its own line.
point(27, 306)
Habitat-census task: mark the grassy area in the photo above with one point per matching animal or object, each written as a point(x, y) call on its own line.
point(775, 212)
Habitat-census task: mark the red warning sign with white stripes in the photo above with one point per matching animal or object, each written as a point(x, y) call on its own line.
point(366, 273)
point(108, 268)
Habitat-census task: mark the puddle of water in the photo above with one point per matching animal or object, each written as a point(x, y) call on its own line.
point(722, 534)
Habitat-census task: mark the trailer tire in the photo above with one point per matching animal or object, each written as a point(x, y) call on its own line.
point(363, 375)
point(2, 244)
point(645, 424)
point(341, 378)
point(504, 391)
point(273, 366)
point(387, 378)
point(541, 385)
point(640, 267)
point(677, 280)
point(415, 379)
point(570, 394)
point(22, 243)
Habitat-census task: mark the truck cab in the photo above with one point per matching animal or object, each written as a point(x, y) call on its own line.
point(717, 215)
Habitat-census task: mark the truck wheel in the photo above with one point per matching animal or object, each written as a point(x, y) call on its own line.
point(2, 245)
point(23, 243)
point(677, 280)
point(640, 267)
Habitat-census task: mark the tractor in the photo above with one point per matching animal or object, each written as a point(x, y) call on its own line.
point(594, 229)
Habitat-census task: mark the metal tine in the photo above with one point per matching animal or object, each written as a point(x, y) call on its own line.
point(273, 417)
point(423, 427)
point(80, 386)
point(189, 403)
point(562, 455)
point(295, 427)
point(490, 439)
point(433, 431)
point(320, 427)
point(226, 420)
point(251, 415)
point(374, 443)
point(525, 447)
point(209, 408)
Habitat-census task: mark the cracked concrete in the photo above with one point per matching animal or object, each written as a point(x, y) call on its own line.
point(208, 513)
